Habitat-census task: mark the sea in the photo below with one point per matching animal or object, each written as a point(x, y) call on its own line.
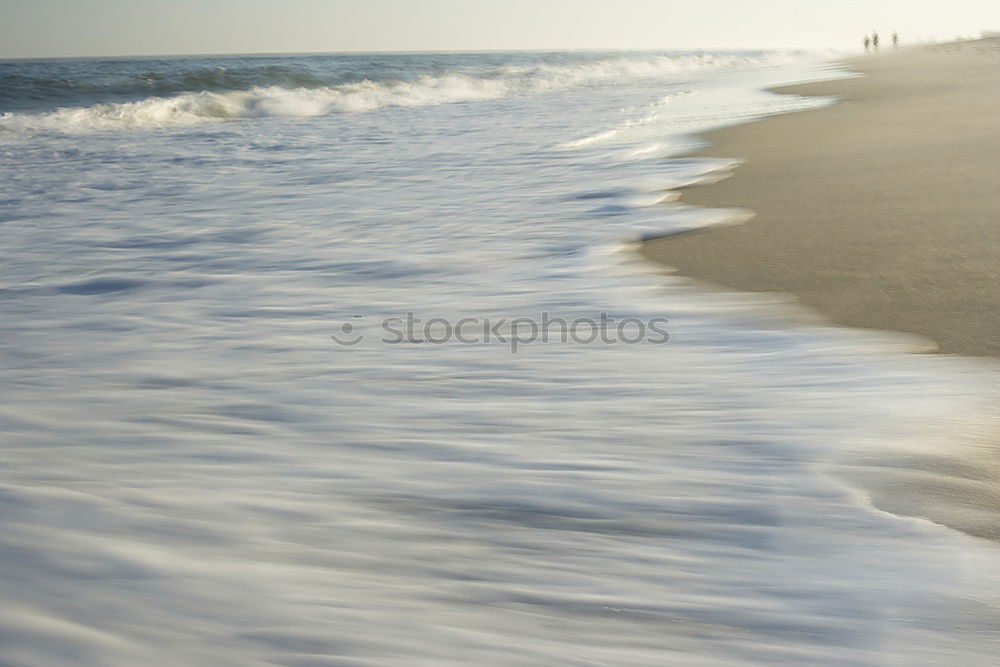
point(344, 360)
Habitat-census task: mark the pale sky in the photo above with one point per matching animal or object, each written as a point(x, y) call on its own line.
point(42, 28)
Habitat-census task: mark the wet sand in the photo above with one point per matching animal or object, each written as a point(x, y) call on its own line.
point(882, 211)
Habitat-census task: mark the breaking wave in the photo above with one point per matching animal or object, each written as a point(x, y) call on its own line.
point(316, 87)
point(205, 106)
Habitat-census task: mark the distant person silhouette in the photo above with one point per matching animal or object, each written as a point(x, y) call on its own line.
point(895, 40)
point(875, 42)
point(868, 44)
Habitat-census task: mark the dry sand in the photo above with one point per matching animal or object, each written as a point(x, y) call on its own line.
point(882, 211)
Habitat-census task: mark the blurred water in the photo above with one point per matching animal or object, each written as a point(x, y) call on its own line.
point(194, 473)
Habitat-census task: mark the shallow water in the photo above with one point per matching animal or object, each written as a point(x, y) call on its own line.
point(194, 472)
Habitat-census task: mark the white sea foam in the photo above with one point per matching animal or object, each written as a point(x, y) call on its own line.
point(207, 107)
point(196, 108)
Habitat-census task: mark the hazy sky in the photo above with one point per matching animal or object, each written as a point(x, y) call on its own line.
point(133, 27)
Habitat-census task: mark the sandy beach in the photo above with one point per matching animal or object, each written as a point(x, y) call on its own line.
point(879, 212)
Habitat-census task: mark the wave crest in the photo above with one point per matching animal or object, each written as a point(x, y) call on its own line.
point(205, 106)
point(297, 97)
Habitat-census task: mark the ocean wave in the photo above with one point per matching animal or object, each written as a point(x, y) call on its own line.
point(69, 88)
point(205, 106)
point(218, 94)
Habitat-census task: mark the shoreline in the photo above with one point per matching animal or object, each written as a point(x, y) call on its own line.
point(887, 215)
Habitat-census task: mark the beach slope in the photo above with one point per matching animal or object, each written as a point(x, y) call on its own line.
point(882, 211)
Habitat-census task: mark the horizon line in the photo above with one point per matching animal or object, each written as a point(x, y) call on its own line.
point(421, 51)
